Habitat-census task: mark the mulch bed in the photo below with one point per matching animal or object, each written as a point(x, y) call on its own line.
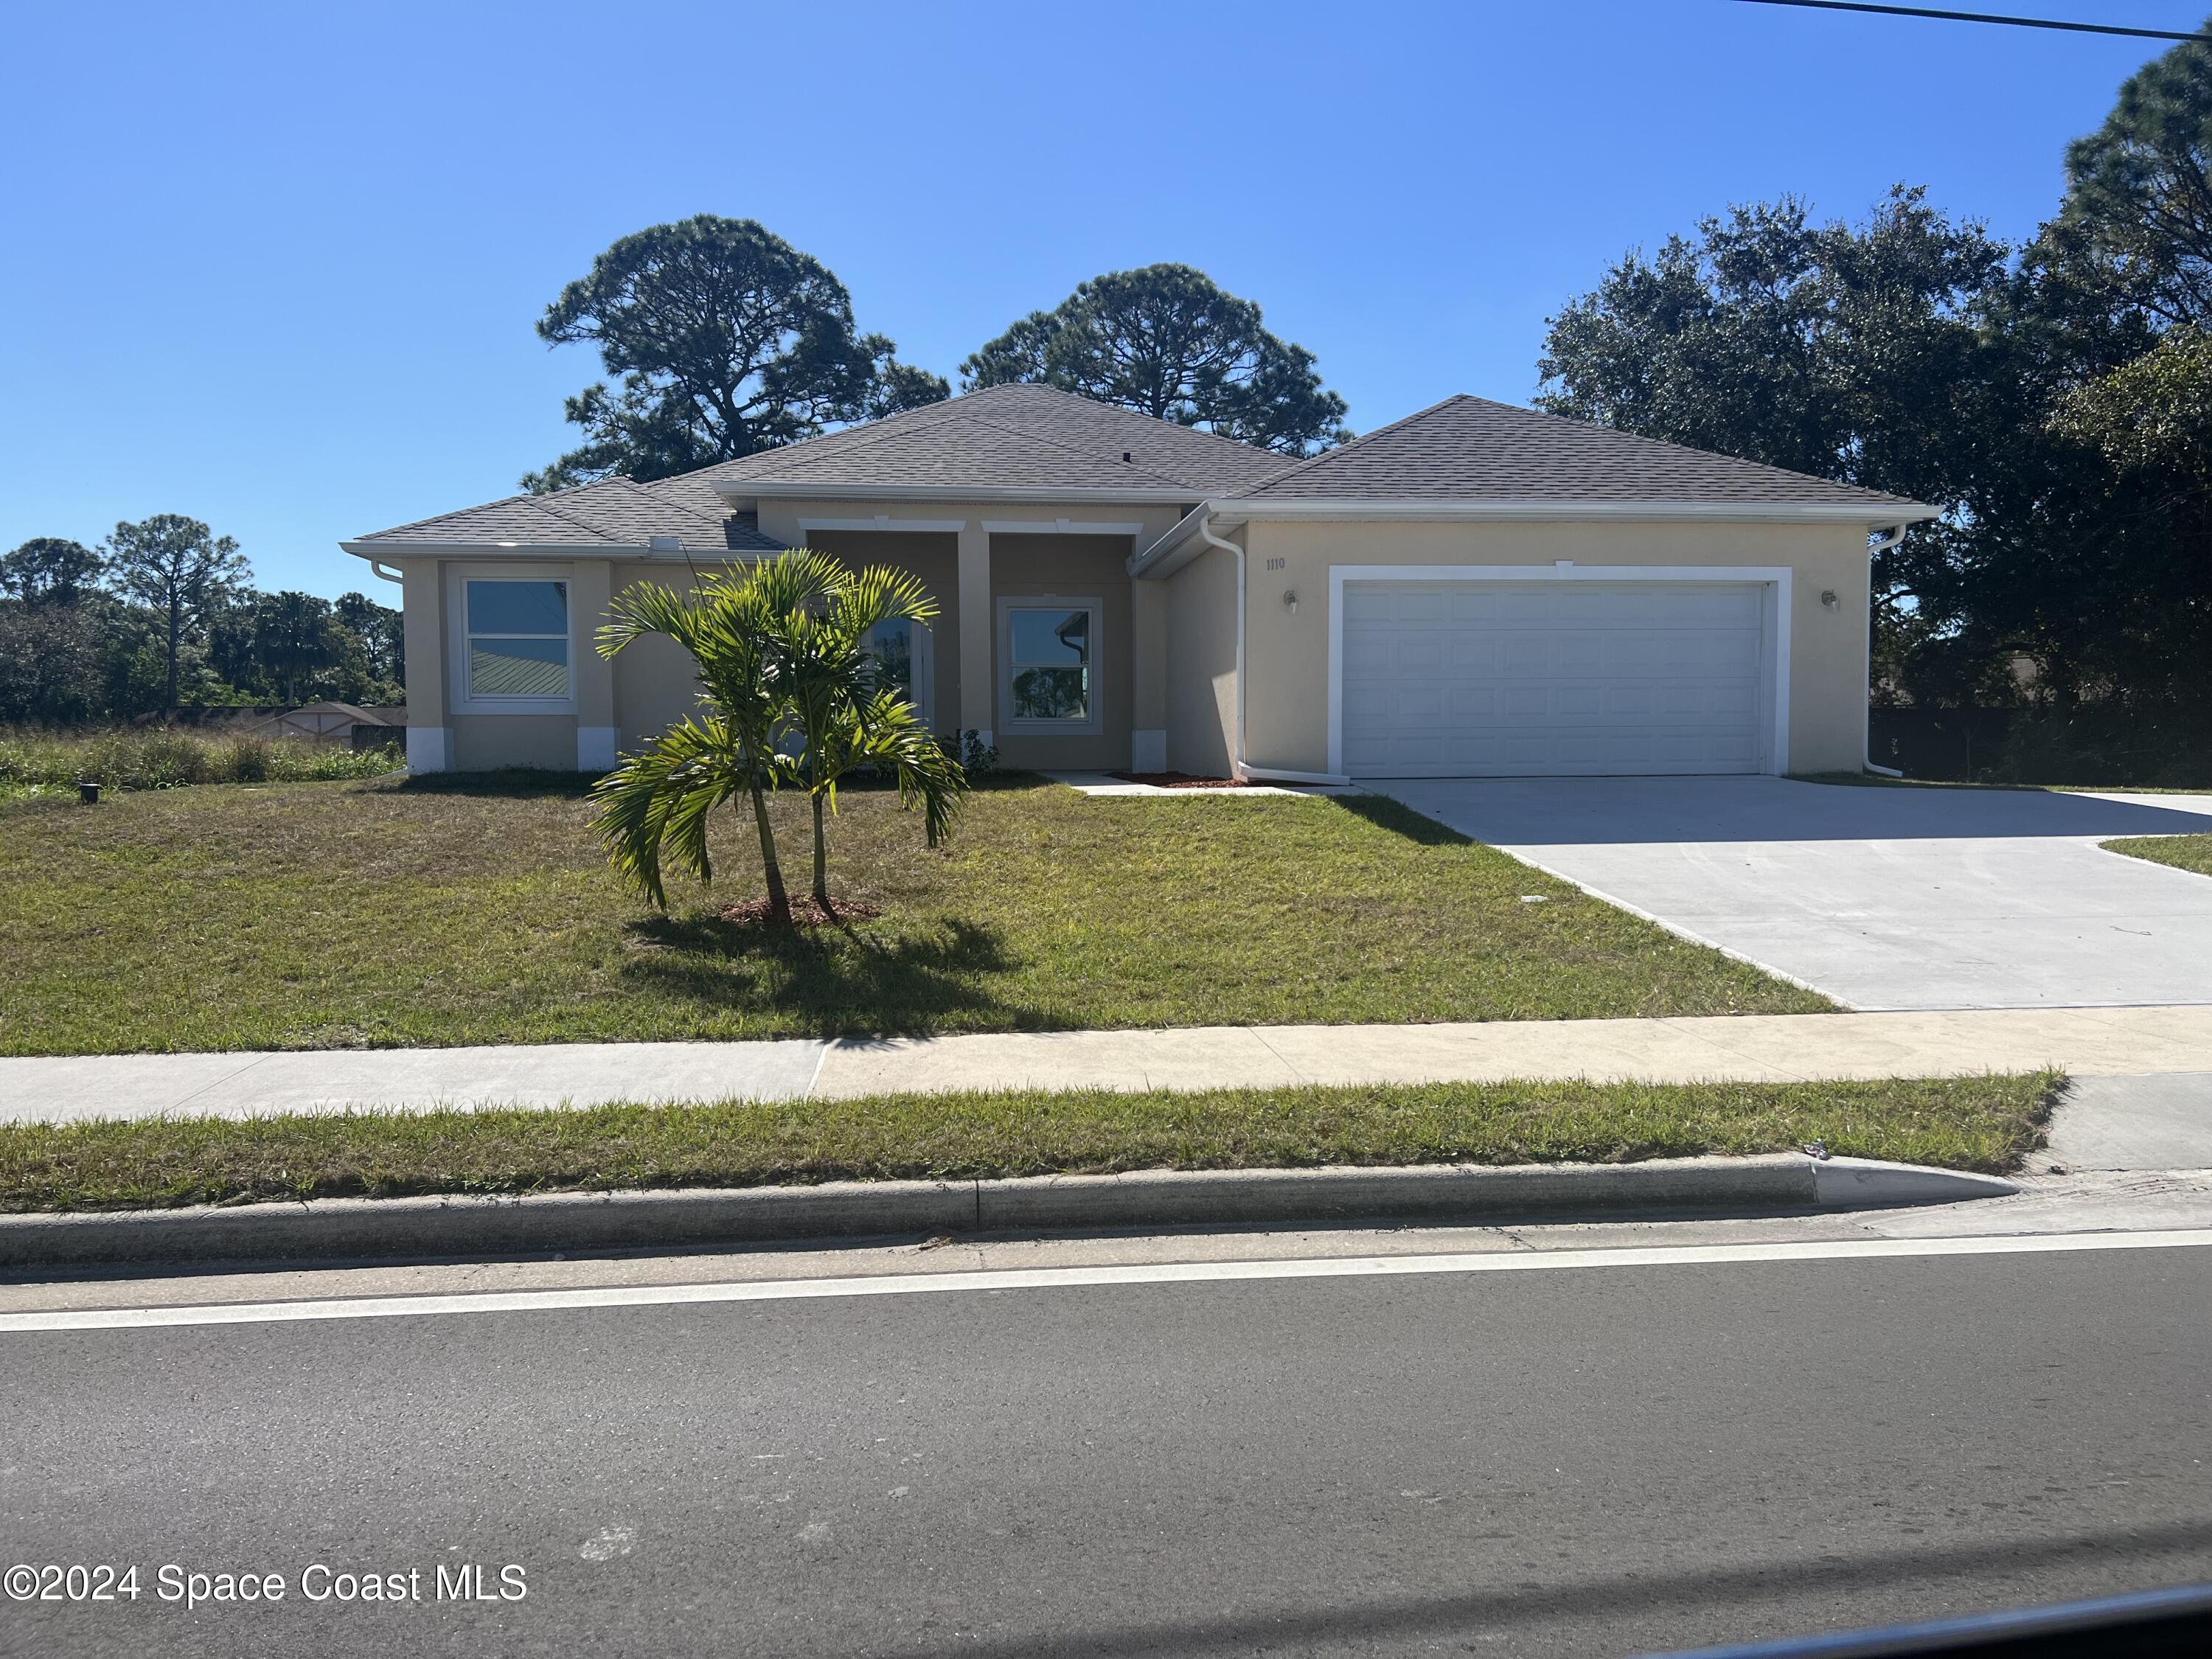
point(1178, 780)
point(805, 911)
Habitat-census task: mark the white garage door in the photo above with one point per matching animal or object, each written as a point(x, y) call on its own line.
point(1543, 678)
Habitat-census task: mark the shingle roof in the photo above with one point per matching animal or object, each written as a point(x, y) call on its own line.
point(1011, 437)
point(1035, 438)
point(1005, 437)
point(1471, 449)
point(616, 512)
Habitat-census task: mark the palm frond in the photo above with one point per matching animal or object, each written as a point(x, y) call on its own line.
point(656, 803)
point(892, 737)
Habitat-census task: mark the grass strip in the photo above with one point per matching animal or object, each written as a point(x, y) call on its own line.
point(2181, 852)
point(1986, 1123)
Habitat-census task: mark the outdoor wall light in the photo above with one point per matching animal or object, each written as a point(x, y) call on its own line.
point(1291, 600)
point(1828, 598)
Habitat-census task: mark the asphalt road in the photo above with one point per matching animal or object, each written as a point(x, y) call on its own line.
point(1592, 1461)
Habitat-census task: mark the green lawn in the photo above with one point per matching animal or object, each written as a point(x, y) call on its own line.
point(2181, 852)
point(461, 911)
point(1972, 1123)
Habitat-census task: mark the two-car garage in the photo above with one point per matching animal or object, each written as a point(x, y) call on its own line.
point(1480, 591)
point(1511, 676)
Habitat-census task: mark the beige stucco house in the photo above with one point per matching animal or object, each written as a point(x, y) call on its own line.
point(1476, 590)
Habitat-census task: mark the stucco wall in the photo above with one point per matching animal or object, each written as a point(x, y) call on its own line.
point(1287, 654)
point(654, 684)
point(423, 625)
point(484, 742)
point(1201, 664)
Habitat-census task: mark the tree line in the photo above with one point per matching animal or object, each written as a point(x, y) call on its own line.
point(162, 615)
point(2054, 397)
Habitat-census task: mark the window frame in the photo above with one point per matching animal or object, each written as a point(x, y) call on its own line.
point(464, 699)
point(1094, 720)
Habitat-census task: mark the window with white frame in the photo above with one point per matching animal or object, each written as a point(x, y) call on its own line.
point(1049, 648)
point(517, 641)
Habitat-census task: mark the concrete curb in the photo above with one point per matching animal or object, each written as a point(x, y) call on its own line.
point(370, 1228)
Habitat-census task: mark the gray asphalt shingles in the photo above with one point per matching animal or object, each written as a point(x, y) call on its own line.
point(1035, 438)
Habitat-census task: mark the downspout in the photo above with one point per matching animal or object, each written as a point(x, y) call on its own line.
point(377, 567)
point(1895, 535)
point(1238, 769)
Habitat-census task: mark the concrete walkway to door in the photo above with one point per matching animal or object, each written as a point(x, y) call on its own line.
point(1882, 898)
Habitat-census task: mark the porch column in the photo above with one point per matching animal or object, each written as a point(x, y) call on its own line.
point(979, 679)
point(423, 597)
point(590, 590)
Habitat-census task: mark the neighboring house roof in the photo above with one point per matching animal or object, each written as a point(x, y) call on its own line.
point(1470, 449)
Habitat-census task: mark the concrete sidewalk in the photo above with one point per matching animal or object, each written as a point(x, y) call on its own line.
point(2112, 1042)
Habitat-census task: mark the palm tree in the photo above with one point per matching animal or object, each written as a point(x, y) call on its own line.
point(662, 798)
point(849, 717)
point(782, 650)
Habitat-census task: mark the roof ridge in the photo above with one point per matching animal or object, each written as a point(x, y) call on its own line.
point(1055, 443)
point(1360, 442)
point(527, 498)
point(650, 489)
point(1521, 413)
point(864, 436)
point(861, 432)
point(570, 518)
point(1668, 443)
point(1124, 411)
point(897, 417)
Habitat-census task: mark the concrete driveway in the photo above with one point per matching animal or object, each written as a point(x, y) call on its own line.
point(1881, 898)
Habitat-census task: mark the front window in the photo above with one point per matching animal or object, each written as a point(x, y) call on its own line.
point(1049, 650)
point(518, 639)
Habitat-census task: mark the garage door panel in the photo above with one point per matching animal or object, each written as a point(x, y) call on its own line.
point(1528, 678)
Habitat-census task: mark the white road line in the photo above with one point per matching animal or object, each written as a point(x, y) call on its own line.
point(1046, 1278)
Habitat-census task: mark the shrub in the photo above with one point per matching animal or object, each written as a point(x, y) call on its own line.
point(128, 759)
point(245, 759)
point(977, 759)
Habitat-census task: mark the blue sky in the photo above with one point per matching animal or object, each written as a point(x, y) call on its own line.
point(276, 267)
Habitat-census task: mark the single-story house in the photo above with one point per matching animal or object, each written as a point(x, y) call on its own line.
point(1475, 590)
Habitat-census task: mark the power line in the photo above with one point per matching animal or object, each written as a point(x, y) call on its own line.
point(1986, 17)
